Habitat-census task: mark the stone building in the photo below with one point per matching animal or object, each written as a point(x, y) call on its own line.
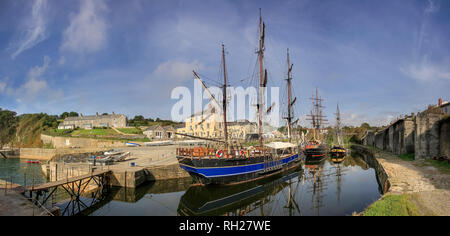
point(369, 138)
point(209, 124)
point(445, 106)
point(160, 132)
point(96, 121)
point(425, 134)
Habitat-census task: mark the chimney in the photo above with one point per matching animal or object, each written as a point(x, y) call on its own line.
point(96, 114)
point(440, 102)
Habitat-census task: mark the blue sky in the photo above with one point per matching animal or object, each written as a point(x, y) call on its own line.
point(378, 59)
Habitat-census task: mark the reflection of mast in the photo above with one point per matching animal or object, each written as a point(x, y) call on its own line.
point(338, 174)
point(291, 203)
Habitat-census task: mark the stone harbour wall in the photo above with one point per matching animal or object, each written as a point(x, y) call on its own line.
point(425, 135)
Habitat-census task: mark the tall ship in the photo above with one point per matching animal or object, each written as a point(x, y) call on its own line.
point(228, 163)
point(316, 147)
point(338, 149)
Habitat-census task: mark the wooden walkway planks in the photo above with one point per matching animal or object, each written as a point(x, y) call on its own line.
point(65, 181)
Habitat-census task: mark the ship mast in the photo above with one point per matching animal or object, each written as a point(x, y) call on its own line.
point(290, 102)
point(262, 78)
point(224, 101)
point(338, 124)
point(316, 116)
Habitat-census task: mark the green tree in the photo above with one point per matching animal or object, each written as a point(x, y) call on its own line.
point(8, 125)
point(365, 126)
point(64, 115)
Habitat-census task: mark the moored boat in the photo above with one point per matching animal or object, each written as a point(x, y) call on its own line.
point(33, 161)
point(338, 151)
point(228, 164)
point(215, 166)
point(128, 144)
point(315, 149)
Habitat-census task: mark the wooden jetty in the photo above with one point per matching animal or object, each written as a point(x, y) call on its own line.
point(3, 155)
point(75, 187)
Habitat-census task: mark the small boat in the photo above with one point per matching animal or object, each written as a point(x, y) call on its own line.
point(132, 145)
point(33, 161)
point(112, 152)
point(338, 151)
point(101, 160)
point(120, 157)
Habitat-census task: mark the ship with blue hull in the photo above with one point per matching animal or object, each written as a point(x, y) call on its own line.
point(209, 169)
point(230, 163)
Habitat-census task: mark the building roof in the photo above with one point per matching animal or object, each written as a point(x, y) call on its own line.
point(241, 122)
point(179, 126)
point(280, 145)
point(95, 117)
point(444, 104)
point(154, 127)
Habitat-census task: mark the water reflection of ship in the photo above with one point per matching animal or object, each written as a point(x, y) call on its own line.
point(243, 199)
point(337, 163)
point(315, 168)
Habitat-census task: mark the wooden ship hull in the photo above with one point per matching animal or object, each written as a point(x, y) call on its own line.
point(338, 151)
point(316, 151)
point(211, 170)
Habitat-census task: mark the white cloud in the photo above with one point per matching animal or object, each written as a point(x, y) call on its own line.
point(35, 84)
point(2, 86)
point(62, 60)
point(426, 72)
point(35, 28)
point(87, 31)
point(35, 89)
point(432, 7)
point(356, 119)
point(176, 71)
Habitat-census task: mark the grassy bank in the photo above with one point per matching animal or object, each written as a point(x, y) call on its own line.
point(407, 157)
point(393, 205)
point(443, 166)
point(130, 130)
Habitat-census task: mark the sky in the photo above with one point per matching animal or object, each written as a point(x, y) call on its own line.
point(377, 59)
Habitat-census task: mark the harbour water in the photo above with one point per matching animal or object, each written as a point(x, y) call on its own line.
point(320, 187)
point(17, 171)
point(323, 187)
